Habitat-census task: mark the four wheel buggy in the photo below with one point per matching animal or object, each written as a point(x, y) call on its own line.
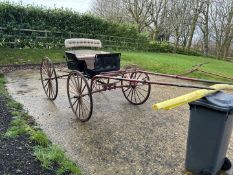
point(93, 71)
point(103, 71)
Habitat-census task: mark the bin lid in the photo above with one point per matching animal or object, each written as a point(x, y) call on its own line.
point(218, 101)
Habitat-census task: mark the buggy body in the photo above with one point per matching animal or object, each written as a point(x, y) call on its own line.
point(88, 58)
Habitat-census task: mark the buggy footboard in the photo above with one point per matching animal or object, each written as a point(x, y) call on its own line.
point(107, 62)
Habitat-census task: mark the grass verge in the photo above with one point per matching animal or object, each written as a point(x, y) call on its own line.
point(157, 62)
point(49, 154)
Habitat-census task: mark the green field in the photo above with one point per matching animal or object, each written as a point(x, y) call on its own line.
point(158, 62)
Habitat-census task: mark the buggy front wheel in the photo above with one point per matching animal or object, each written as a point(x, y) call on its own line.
point(49, 78)
point(79, 95)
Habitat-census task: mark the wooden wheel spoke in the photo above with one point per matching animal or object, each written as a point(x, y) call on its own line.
point(73, 92)
point(75, 102)
point(76, 83)
point(71, 79)
point(129, 92)
point(47, 67)
point(85, 100)
point(139, 76)
point(144, 79)
point(45, 72)
point(136, 92)
point(135, 97)
point(49, 87)
point(83, 88)
point(81, 84)
point(140, 93)
point(131, 97)
point(46, 84)
point(127, 89)
point(142, 89)
point(77, 106)
point(52, 89)
point(73, 89)
point(52, 73)
point(84, 107)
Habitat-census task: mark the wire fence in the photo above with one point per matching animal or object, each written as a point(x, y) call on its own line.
point(29, 38)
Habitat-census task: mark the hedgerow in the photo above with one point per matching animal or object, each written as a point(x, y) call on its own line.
point(59, 19)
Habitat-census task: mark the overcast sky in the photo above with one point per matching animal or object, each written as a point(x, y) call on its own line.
point(77, 5)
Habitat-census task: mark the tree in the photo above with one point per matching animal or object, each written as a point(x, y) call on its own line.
point(221, 19)
point(139, 12)
point(204, 26)
point(197, 6)
point(113, 10)
point(157, 22)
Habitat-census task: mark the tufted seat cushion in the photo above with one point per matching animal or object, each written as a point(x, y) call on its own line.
point(82, 42)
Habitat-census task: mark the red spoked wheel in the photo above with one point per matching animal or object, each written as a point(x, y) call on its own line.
point(79, 95)
point(49, 78)
point(136, 93)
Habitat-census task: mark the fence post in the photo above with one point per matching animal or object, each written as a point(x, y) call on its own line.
point(70, 34)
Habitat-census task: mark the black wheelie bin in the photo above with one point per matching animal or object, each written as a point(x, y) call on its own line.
point(210, 128)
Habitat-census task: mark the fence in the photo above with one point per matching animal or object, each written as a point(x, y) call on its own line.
point(23, 38)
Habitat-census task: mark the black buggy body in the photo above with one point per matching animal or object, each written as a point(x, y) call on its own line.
point(90, 62)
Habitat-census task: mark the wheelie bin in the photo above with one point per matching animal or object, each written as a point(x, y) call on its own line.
point(210, 128)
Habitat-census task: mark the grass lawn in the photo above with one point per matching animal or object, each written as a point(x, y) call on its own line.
point(22, 56)
point(158, 62)
point(176, 63)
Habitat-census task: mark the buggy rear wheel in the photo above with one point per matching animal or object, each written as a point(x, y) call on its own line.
point(49, 78)
point(136, 93)
point(79, 95)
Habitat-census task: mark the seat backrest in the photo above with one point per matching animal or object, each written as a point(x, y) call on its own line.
point(82, 42)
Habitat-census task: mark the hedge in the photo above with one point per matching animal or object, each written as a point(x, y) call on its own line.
point(64, 20)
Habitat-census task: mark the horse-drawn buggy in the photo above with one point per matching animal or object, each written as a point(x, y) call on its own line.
point(92, 70)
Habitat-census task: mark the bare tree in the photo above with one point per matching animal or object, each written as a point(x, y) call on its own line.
point(139, 12)
point(179, 20)
point(196, 9)
point(113, 10)
point(221, 17)
point(157, 22)
point(204, 26)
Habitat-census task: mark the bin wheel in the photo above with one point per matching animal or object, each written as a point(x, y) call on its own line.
point(226, 164)
point(206, 172)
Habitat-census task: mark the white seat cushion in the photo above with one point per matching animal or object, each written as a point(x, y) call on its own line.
point(82, 42)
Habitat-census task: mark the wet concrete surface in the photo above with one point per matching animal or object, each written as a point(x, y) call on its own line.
point(119, 138)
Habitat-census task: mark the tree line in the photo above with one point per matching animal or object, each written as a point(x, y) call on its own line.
point(203, 24)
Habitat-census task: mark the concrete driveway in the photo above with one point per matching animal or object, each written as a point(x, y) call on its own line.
point(119, 138)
